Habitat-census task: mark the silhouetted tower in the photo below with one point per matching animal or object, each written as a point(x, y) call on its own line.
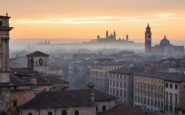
point(148, 39)
point(4, 46)
point(127, 37)
point(107, 34)
point(114, 34)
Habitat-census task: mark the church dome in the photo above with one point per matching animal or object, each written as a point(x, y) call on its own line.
point(164, 42)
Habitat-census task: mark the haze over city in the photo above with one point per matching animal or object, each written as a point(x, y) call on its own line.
point(92, 57)
point(85, 19)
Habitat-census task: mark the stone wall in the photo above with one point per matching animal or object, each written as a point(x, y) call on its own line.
point(21, 96)
point(4, 99)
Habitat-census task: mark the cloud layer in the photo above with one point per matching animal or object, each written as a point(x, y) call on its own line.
point(96, 20)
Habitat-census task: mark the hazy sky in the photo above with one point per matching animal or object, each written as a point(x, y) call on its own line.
point(84, 19)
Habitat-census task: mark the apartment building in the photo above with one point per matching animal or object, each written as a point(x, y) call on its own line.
point(159, 91)
point(99, 74)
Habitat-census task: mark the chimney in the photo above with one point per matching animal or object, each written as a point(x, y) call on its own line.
point(91, 89)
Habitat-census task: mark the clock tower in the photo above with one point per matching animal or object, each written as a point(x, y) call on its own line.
point(148, 39)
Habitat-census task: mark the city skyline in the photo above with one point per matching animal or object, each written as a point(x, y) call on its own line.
point(85, 19)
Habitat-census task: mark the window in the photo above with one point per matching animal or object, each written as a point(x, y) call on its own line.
point(15, 87)
point(1, 23)
point(151, 102)
point(155, 103)
point(171, 86)
point(104, 108)
point(161, 104)
point(29, 113)
point(144, 100)
point(50, 113)
point(15, 103)
point(136, 98)
point(176, 86)
point(166, 85)
point(40, 62)
point(148, 101)
point(76, 112)
point(176, 99)
point(96, 108)
point(64, 112)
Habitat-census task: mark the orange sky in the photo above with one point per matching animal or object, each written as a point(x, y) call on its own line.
point(84, 19)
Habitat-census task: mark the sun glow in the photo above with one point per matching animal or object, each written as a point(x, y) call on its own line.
point(92, 20)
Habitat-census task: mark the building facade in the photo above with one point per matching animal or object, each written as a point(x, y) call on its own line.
point(161, 92)
point(71, 102)
point(121, 83)
point(149, 93)
point(99, 74)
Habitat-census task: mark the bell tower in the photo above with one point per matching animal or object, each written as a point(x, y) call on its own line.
point(148, 39)
point(38, 61)
point(4, 48)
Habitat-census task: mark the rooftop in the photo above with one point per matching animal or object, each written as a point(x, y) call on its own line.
point(127, 70)
point(23, 71)
point(68, 98)
point(50, 79)
point(37, 54)
point(15, 80)
point(167, 76)
point(122, 109)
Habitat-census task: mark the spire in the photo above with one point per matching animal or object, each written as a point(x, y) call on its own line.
point(148, 30)
point(114, 34)
point(164, 36)
point(127, 37)
point(107, 34)
point(148, 26)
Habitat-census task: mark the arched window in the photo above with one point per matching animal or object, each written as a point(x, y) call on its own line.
point(76, 112)
point(40, 62)
point(50, 113)
point(29, 113)
point(96, 108)
point(64, 112)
